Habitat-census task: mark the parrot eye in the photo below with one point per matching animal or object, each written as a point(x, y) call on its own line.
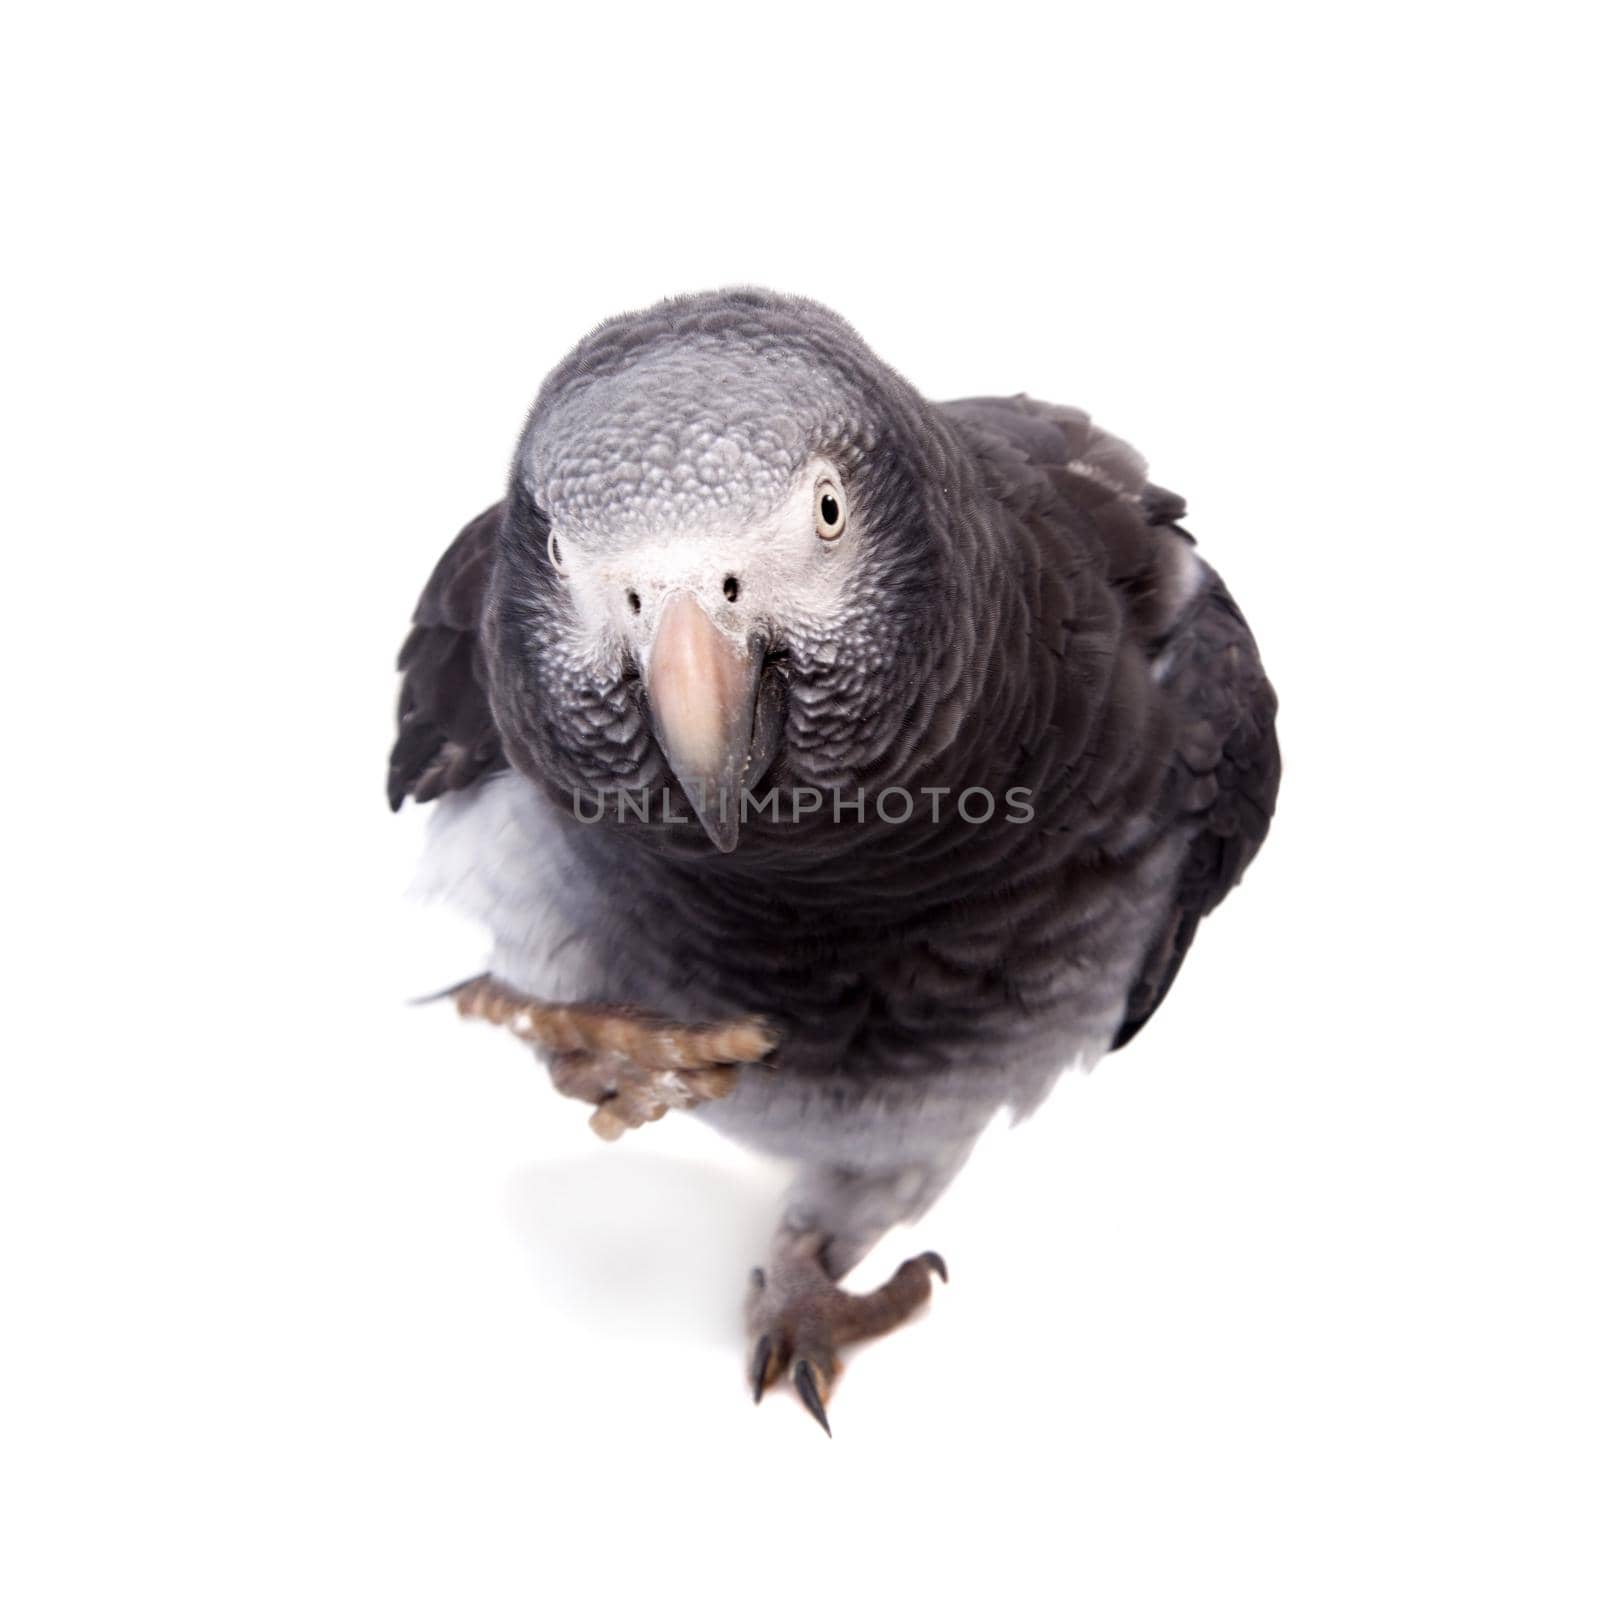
point(830, 510)
point(554, 547)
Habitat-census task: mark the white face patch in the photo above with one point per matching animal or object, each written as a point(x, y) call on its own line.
point(772, 576)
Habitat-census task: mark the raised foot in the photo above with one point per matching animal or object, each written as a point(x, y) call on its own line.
point(798, 1318)
point(632, 1066)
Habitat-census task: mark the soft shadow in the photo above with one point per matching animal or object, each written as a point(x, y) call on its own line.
point(628, 1243)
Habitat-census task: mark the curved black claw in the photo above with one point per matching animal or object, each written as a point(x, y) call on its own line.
point(805, 1382)
point(758, 1367)
point(933, 1259)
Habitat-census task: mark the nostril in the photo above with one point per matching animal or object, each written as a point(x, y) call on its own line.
point(730, 587)
point(633, 601)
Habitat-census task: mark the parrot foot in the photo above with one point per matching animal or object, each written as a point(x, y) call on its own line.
point(632, 1066)
point(797, 1317)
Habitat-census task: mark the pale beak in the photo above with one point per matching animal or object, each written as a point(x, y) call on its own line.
point(701, 686)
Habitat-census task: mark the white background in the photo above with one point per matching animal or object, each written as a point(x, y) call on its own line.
point(310, 1293)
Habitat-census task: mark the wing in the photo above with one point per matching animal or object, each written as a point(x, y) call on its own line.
point(1228, 770)
point(447, 737)
point(1080, 492)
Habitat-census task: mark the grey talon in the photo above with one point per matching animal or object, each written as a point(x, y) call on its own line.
point(805, 1383)
point(758, 1367)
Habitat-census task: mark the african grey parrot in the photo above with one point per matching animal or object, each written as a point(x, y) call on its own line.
point(834, 763)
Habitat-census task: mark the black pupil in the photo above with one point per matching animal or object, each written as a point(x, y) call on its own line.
point(730, 587)
point(633, 600)
point(830, 510)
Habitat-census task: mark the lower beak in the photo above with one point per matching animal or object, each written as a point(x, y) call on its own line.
point(701, 688)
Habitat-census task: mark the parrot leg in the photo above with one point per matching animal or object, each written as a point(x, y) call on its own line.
point(631, 1066)
point(798, 1316)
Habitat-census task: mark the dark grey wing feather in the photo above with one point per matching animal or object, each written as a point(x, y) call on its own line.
point(1076, 489)
point(1229, 766)
point(447, 738)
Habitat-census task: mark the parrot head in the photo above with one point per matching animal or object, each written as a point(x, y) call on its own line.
point(721, 557)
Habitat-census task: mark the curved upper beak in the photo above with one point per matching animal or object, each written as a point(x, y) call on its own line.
point(701, 687)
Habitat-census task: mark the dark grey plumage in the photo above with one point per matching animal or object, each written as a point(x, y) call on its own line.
point(1019, 611)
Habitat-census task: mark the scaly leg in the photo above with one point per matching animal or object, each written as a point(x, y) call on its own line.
point(799, 1317)
point(796, 1314)
point(632, 1066)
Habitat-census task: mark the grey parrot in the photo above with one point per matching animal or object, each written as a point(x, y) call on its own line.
point(835, 764)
